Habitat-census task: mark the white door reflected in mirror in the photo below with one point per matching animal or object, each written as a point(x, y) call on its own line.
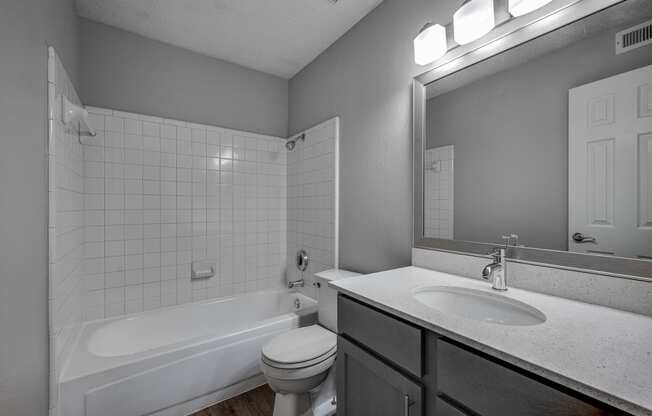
point(610, 165)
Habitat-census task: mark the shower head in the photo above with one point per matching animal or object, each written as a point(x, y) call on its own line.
point(291, 143)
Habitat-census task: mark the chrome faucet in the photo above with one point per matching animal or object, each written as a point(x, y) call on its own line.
point(496, 272)
point(296, 283)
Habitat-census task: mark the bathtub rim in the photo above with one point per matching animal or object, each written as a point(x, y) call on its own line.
point(107, 322)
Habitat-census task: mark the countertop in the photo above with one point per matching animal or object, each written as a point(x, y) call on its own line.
point(601, 352)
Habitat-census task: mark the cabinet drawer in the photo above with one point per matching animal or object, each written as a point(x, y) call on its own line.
point(490, 389)
point(444, 409)
point(394, 339)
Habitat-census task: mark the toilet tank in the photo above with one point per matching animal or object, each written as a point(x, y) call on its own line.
point(327, 296)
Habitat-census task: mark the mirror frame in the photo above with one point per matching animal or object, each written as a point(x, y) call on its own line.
point(508, 35)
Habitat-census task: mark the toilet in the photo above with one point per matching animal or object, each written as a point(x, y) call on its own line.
point(299, 364)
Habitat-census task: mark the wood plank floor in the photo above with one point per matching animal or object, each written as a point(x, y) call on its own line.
point(257, 402)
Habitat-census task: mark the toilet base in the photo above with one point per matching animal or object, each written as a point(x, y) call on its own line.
point(323, 399)
point(318, 402)
point(292, 404)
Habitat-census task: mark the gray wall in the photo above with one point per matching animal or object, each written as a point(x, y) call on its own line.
point(510, 132)
point(131, 73)
point(366, 77)
point(26, 28)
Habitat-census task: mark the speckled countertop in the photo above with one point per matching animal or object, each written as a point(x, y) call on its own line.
point(601, 352)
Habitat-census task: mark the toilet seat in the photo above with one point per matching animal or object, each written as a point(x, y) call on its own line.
point(298, 365)
point(299, 346)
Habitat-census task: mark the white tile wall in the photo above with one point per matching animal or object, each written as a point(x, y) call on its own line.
point(160, 194)
point(312, 202)
point(65, 225)
point(438, 196)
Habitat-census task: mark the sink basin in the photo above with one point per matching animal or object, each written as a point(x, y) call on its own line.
point(479, 305)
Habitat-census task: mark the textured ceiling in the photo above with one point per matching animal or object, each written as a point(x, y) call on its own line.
point(279, 37)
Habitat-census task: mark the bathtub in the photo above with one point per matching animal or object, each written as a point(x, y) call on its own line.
point(174, 361)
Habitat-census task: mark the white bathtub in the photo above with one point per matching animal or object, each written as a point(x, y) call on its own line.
point(176, 360)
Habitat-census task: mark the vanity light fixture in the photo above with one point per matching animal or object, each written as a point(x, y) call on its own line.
point(473, 20)
point(430, 44)
point(521, 7)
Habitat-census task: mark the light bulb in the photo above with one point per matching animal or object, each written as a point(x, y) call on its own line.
point(473, 20)
point(521, 7)
point(430, 44)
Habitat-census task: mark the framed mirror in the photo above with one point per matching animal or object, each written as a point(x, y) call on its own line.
point(540, 139)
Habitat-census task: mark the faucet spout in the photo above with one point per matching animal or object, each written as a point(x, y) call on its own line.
point(496, 271)
point(489, 270)
point(296, 283)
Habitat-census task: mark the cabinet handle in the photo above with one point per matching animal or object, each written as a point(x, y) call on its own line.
point(406, 405)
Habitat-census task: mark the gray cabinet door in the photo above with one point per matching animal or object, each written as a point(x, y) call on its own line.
point(366, 386)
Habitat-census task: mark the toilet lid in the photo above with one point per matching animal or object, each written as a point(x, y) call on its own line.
point(300, 345)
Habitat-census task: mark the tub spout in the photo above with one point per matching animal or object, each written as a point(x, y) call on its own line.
point(296, 283)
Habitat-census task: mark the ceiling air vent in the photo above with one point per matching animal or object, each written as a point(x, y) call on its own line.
point(634, 37)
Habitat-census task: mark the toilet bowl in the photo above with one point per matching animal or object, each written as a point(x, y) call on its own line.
point(299, 364)
point(295, 364)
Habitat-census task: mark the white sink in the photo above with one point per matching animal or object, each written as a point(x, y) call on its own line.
point(479, 305)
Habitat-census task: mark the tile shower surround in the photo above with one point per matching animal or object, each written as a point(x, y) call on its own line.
point(312, 203)
point(160, 194)
point(65, 224)
point(439, 196)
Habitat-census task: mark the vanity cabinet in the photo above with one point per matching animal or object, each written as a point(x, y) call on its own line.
point(366, 385)
point(388, 366)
